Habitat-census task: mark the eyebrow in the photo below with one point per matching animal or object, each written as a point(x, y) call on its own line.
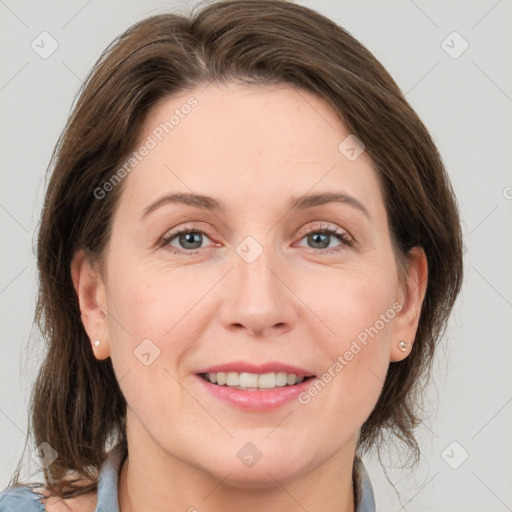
point(299, 203)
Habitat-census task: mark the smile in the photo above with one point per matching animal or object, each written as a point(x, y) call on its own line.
point(253, 381)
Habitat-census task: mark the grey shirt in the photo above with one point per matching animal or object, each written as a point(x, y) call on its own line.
point(24, 499)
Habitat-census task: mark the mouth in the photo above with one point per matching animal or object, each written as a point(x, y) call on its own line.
point(255, 387)
point(254, 381)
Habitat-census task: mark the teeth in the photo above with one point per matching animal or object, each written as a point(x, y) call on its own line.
point(281, 379)
point(248, 380)
point(253, 380)
point(267, 380)
point(232, 379)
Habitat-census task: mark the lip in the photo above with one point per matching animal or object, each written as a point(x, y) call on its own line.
point(255, 400)
point(246, 367)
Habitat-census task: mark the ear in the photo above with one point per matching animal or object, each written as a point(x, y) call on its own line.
point(90, 290)
point(410, 297)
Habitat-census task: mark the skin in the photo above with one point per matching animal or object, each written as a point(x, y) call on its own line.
point(253, 148)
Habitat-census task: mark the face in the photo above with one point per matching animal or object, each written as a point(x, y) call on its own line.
point(267, 277)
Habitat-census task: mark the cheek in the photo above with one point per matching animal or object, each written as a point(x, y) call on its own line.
point(149, 336)
point(347, 390)
point(350, 301)
point(357, 309)
point(141, 298)
point(158, 303)
point(138, 306)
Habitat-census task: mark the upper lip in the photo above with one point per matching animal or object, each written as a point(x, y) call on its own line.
point(246, 367)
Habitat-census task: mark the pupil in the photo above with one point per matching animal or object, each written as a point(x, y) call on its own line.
point(189, 238)
point(315, 237)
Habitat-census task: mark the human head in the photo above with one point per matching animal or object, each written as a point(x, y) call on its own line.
point(265, 42)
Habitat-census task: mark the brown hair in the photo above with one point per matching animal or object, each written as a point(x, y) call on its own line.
point(255, 41)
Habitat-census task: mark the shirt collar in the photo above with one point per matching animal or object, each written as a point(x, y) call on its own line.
point(108, 481)
point(365, 499)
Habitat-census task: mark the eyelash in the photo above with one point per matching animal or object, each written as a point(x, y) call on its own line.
point(340, 235)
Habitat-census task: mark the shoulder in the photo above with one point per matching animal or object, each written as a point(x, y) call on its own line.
point(21, 499)
point(29, 499)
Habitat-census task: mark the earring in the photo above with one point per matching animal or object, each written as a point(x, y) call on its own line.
point(97, 343)
point(403, 345)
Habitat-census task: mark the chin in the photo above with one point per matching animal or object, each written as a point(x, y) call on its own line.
point(262, 478)
point(262, 474)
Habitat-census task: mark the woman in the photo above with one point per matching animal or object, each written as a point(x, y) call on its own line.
point(253, 368)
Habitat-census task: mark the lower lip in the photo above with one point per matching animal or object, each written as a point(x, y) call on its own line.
point(260, 400)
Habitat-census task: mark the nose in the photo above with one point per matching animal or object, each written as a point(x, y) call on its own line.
point(259, 299)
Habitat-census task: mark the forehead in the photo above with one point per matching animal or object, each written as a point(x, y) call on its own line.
point(247, 142)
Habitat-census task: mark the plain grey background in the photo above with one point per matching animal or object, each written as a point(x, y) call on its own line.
point(463, 95)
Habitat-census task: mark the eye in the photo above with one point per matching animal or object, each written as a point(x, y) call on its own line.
point(322, 238)
point(188, 240)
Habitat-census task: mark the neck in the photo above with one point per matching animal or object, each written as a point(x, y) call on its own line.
point(293, 497)
point(151, 479)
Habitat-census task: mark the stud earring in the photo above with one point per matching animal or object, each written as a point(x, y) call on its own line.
point(97, 343)
point(403, 345)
